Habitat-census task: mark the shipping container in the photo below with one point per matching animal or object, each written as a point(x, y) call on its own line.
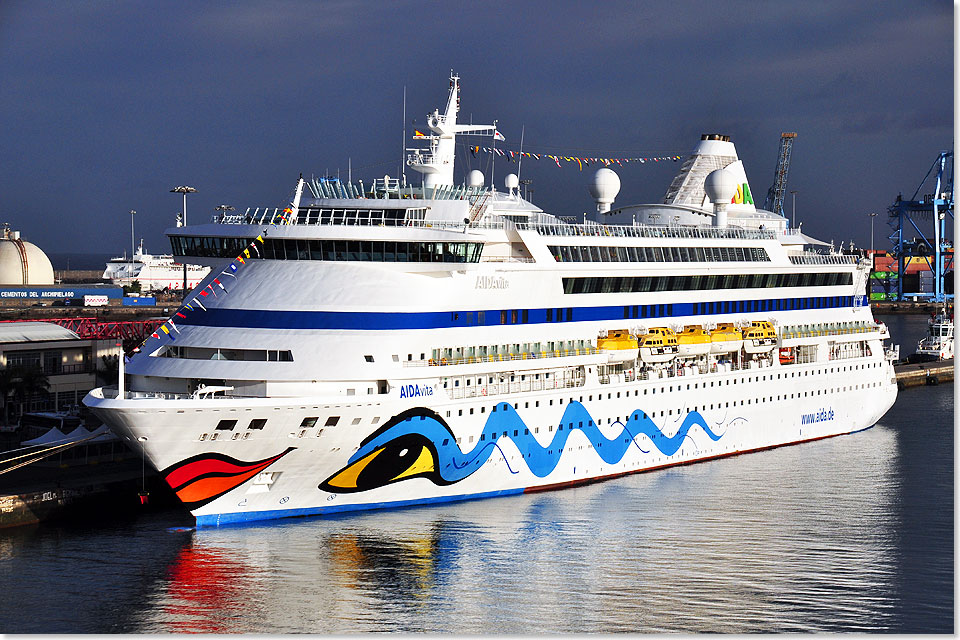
point(142, 301)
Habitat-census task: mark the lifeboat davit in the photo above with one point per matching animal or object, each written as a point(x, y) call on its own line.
point(694, 340)
point(759, 337)
point(619, 345)
point(658, 345)
point(725, 338)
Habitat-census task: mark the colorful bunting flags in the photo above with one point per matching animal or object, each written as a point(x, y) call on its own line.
point(581, 161)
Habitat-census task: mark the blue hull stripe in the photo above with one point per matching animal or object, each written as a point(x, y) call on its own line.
point(252, 516)
point(380, 321)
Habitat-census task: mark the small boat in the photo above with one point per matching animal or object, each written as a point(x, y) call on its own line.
point(938, 343)
point(759, 337)
point(619, 345)
point(725, 338)
point(658, 345)
point(694, 340)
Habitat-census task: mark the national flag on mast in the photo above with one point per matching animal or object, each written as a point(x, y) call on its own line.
point(498, 136)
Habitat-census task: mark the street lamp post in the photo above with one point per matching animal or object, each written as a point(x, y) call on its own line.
point(133, 241)
point(794, 193)
point(184, 190)
point(223, 208)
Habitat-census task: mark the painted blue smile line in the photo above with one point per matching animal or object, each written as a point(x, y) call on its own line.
point(453, 464)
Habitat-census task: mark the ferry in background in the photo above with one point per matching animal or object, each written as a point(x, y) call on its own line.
point(153, 272)
point(395, 345)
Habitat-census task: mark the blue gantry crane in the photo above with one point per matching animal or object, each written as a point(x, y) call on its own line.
point(920, 231)
point(774, 200)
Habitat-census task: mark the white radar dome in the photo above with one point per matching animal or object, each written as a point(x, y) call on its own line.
point(511, 182)
point(604, 188)
point(720, 186)
point(475, 178)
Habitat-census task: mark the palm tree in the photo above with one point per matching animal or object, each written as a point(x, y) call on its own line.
point(7, 378)
point(25, 382)
point(110, 371)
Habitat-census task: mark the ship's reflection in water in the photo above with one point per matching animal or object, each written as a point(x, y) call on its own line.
point(207, 591)
point(847, 534)
point(797, 539)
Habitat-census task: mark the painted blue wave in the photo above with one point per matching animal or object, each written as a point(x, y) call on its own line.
point(454, 464)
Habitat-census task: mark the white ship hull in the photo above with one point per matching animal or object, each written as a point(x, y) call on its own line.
point(769, 407)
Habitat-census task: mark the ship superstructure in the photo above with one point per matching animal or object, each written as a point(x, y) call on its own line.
point(392, 345)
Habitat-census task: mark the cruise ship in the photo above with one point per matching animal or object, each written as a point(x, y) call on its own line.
point(153, 272)
point(389, 345)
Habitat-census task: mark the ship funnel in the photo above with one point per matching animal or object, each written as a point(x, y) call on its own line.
point(721, 187)
point(604, 188)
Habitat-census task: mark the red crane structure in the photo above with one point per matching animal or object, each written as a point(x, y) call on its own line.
point(131, 332)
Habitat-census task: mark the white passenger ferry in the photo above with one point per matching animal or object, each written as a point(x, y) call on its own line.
point(394, 345)
point(153, 272)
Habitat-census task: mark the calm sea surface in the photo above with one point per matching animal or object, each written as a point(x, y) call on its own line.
point(853, 533)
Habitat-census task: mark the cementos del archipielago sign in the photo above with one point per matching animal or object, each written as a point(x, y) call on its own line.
point(57, 293)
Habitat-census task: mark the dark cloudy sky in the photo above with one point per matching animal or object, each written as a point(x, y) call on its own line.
point(105, 106)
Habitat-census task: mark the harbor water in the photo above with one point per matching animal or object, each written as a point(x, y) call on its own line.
point(848, 534)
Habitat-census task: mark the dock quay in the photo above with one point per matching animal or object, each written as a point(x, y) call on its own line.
point(923, 373)
point(33, 495)
point(904, 306)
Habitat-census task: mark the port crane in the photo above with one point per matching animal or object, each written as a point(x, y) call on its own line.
point(774, 200)
point(907, 218)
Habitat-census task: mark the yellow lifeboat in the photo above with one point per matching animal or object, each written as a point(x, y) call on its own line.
point(658, 345)
point(759, 337)
point(619, 345)
point(694, 340)
point(725, 338)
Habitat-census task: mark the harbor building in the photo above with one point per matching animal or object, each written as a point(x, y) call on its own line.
point(42, 350)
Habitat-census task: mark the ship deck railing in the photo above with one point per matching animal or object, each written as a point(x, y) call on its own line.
point(503, 357)
point(645, 231)
point(817, 258)
point(524, 386)
point(829, 329)
point(388, 217)
point(113, 392)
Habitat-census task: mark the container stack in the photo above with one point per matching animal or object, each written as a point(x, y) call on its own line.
point(883, 285)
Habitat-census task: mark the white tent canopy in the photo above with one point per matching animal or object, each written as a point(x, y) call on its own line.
point(54, 436)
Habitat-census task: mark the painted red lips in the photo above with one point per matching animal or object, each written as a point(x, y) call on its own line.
point(205, 477)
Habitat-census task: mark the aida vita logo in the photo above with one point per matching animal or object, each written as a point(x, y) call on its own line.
point(743, 195)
